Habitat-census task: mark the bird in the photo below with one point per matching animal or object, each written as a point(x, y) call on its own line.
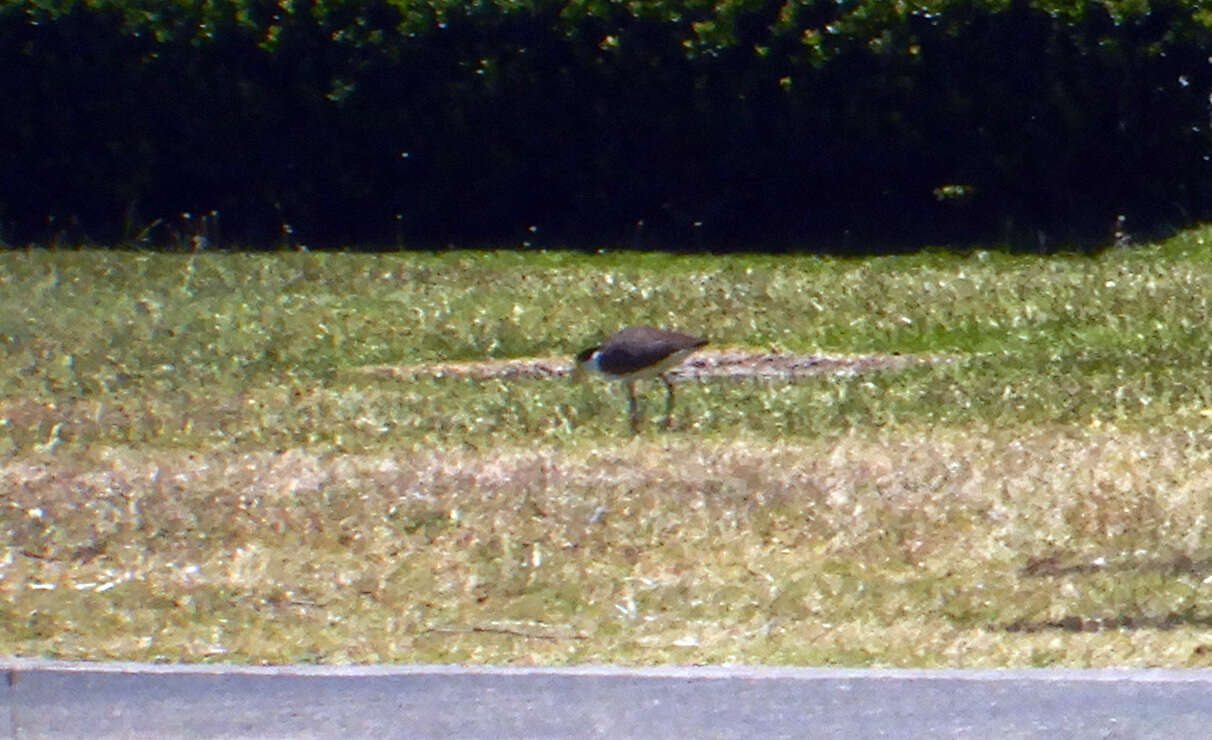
point(634, 353)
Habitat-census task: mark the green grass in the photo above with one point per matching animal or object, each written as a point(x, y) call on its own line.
point(197, 466)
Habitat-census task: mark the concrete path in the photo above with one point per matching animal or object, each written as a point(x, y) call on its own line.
point(44, 699)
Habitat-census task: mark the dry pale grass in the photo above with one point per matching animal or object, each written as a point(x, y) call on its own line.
point(733, 362)
point(916, 548)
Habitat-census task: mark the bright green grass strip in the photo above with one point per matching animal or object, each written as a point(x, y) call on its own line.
point(199, 339)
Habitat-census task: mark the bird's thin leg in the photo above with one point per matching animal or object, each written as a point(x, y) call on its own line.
point(668, 403)
point(632, 410)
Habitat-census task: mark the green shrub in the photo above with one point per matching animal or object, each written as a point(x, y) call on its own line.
point(690, 124)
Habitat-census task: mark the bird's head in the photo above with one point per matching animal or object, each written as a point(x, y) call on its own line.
point(583, 363)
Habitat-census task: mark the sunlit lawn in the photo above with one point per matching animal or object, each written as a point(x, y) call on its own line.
point(196, 466)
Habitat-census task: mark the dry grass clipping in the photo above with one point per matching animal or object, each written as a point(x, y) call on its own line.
point(706, 363)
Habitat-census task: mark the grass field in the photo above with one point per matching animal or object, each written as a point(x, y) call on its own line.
point(197, 465)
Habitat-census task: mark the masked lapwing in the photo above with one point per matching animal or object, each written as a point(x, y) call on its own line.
point(638, 352)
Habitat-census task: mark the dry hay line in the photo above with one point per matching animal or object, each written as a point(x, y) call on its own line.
point(704, 364)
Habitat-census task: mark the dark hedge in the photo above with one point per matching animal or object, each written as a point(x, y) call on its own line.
point(837, 123)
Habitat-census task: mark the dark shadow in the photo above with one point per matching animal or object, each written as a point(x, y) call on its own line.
point(1058, 564)
point(1073, 623)
point(1062, 564)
